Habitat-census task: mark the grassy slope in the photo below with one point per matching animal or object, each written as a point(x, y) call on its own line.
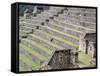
point(84, 59)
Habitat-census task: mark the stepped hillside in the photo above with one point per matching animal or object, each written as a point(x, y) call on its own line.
point(55, 28)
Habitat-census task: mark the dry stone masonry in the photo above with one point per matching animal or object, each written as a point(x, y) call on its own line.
point(51, 37)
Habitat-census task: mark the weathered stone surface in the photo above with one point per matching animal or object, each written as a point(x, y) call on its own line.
point(88, 44)
point(62, 59)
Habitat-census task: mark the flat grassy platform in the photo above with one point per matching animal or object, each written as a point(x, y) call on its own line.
point(84, 60)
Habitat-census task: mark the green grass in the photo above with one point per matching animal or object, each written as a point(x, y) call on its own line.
point(60, 39)
point(23, 31)
point(84, 16)
point(67, 28)
point(84, 59)
point(28, 61)
point(21, 68)
point(21, 18)
point(27, 27)
point(35, 20)
point(47, 41)
point(39, 45)
point(33, 52)
point(87, 22)
point(61, 21)
point(66, 34)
